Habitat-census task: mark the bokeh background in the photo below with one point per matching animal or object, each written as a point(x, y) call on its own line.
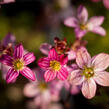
point(33, 22)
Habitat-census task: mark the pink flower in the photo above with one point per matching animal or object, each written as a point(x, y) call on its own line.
point(43, 93)
point(90, 72)
point(105, 2)
point(82, 25)
point(54, 66)
point(6, 1)
point(18, 64)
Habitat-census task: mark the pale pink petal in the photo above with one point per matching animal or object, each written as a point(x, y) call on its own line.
point(75, 78)
point(28, 73)
point(53, 54)
point(106, 4)
point(82, 57)
point(89, 88)
point(63, 59)
point(45, 48)
point(49, 75)
point(44, 63)
point(6, 1)
point(96, 20)
point(71, 22)
point(28, 58)
point(80, 33)
point(99, 30)
point(74, 89)
point(82, 14)
point(62, 74)
point(18, 51)
point(11, 75)
point(31, 89)
point(102, 78)
point(71, 55)
point(100, 62)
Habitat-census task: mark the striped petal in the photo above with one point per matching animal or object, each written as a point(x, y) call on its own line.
point(7, 60)
point(28, 73)
point(44, 63)
point(11, 75)
point(53, 54)
point(62, 74)
point(28, 58)
point(19, 50)
point(49, 75)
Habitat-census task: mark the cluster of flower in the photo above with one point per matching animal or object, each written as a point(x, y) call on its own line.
point(73, 66)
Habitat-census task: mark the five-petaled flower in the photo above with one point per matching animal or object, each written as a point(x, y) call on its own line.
point(82, 25)
point(90, 72)
point(54, 66)
point(18, 64)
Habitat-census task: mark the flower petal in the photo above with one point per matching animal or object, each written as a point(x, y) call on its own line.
point(28, 58)
point(52, 54)
point(45, 48)
point(11, 75)
point(71, 22)
point(102, 78)
point(63, 59)
point(44, 63)
point(75, 78)
point(71, 55)
point(28, 73)
point(82, 14)
point(79, 33)
point(83, 57)
point(49, 75)
point(62, 74)
point(106, 4)
point(19, 50)
point(7, 60)
point(96, 20)
point(99, 30)
point(31, 89)
point(100, 62)
point(89, 88)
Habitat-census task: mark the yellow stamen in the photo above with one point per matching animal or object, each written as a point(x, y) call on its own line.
point(42, 86)
point(83, 27)
point(55, 65)
point(18, 64)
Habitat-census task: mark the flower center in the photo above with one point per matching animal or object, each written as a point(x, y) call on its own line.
point(42, 86)
point(18, 64)
point(83, 27)
point(88, 72)
point(55, 65)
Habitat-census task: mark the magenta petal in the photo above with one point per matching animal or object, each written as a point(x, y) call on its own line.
point(49, 75)
point(82, 14)
point(7, 60)
point(80, 33)
point(28, 73)
point(19, 50)
point(11, 75)
point(71, 22)
point(99, 30)
point(28, 58)
point(89, 88)
point(106, 4)
point(83, 57)
point(63, 59)
point(44, 63)
point(102, 78)
point(53, 54)
point(62, 74)
point(45, 48)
